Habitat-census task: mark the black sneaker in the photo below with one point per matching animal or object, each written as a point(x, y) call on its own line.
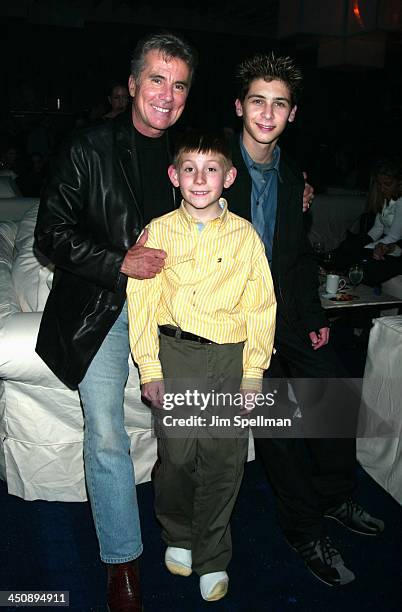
point(324, 561)
point(354, 517)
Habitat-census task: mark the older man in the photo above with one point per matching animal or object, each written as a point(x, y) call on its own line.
point(106, 185)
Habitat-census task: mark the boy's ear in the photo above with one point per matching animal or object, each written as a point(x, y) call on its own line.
point(239, 108)
point(292, 115)
point(172, 172)
point(230, 177)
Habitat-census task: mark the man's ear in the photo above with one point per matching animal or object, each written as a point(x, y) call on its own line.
point(172, 172)
point(239, 108)
point(230, 177)
point(292, 115)
point(131, 85)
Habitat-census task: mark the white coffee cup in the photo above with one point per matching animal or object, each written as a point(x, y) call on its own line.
point(334, 283)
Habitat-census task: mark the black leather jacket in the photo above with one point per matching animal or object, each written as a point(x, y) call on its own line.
point(88, 217)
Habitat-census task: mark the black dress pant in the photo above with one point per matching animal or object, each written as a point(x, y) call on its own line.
point(308, 475)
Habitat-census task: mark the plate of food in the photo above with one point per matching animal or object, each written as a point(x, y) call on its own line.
point(343, 297)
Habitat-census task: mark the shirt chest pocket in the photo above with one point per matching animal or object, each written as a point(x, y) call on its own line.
point(227, 265)
point(224, 283)
point(227, 273)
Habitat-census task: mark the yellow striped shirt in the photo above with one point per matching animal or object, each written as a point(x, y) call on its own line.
point(216, 283)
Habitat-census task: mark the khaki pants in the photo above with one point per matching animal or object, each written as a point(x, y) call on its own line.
point(198, 480)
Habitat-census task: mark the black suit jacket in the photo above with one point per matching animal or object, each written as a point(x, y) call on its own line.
point(294, 270)
point(89, 216)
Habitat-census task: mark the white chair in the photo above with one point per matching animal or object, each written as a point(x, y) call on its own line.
point(380, 451)
point(41, 423)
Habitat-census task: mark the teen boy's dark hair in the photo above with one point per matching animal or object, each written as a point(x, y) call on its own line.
point(202, 142)
point(269, 67)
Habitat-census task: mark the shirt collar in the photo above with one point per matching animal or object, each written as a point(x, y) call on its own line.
point(251, 164)
point(190, 221)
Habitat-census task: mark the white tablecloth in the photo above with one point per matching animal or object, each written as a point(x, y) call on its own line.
point(381, 456)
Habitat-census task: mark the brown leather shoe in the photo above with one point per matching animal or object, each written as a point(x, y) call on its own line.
point(123, 587)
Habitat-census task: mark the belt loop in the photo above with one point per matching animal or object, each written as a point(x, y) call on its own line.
point(177, 333)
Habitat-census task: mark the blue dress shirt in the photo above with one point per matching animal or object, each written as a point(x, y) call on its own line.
point(264, 195)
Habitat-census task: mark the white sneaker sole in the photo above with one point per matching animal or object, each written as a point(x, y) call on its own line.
point(177, 568)
point(218, 591)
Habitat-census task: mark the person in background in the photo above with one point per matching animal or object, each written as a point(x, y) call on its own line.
point(118, 99)
point(379, 249)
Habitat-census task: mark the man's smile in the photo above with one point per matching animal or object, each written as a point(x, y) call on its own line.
point(160, 109)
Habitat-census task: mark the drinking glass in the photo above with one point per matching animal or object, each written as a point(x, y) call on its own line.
point(355, 274)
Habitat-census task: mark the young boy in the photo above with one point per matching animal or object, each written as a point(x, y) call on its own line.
point(215, 307)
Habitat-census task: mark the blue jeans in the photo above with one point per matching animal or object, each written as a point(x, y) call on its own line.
point(108, 467)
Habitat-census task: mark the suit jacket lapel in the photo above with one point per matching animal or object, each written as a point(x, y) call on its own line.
point(283, 218)
point(286, 188)
point(239, 195)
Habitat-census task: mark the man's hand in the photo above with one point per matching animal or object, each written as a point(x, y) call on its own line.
point(154, 392)
point(320, 338)
point(248, 402)
point(142, 262)
point(381, 250)
point(308, 194)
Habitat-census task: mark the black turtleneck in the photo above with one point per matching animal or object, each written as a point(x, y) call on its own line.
point(156, 188)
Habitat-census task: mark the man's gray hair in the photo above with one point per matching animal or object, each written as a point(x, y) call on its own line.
point(169, 45)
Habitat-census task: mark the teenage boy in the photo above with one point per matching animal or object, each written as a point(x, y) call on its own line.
point(215, 307)
point(311, 478)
